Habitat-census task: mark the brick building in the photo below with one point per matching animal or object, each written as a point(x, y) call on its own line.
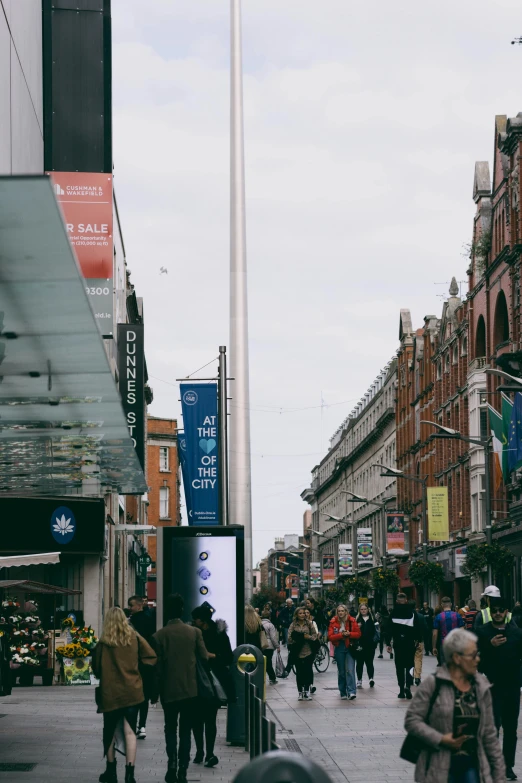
point(163, 480)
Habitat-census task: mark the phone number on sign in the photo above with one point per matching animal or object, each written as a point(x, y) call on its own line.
point(97, 291)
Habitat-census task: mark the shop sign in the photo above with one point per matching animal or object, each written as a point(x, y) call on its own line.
point(460, 559)
point(86, 203)
point(77, 671)
point(303, 580)
point(131, 371)
point(315, 575)
point(364, 547)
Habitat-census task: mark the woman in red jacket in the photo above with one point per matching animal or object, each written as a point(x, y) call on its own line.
point(342, 629)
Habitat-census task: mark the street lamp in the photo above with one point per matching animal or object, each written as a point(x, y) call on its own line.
point(447, 432)
point(380, 504)
point(396, 473)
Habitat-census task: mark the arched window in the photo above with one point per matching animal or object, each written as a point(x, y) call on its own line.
point(464, 346)
point(456, 353)
point(439, 370)
point(480, 340)
point(447, 362)
point(501, 323)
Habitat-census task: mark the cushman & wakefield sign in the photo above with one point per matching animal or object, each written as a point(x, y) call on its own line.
point(131, 369)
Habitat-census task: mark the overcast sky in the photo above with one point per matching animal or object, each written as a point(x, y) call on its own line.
point(363, 123)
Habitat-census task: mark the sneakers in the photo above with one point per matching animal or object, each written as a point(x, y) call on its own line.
point(306, 696)
point(300, 696)
point(372, 683)
point(407, 693)
point(401, 695)
point(344, 696)
point(359, 683)
point(352, 696)
point(141, 733)
point(510, 774)
point(313, 689)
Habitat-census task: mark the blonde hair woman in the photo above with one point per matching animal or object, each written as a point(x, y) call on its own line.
point(254, 632)
point(116, 660)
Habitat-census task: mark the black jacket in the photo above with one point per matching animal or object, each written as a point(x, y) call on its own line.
point(285, 617)
point(368, 633)
point(501, 665)
point(405, 627)
point(217, 642)
point(143, 624)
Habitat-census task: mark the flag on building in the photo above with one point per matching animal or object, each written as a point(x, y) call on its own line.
point(497, 433)
point(515, 435)
point(507, 408)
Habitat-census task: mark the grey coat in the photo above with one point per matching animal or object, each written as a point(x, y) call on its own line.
point(434, 763)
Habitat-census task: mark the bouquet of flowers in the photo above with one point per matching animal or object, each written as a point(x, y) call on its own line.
point(30, 660)
point(20, 633)
point(10, 603)
point(16, 661)
point(39, 633)
point(68, 623)
point(73, 650)
point(15, 619)
point(31, 619)
point(85, 637)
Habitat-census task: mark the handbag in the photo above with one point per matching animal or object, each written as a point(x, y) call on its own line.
point(219, 692)
point(413, 746)
point(205, 689)
point(263, 639)
point(279, 665)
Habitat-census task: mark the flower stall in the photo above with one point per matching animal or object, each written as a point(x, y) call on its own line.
point(75, 655)
point(31, 649)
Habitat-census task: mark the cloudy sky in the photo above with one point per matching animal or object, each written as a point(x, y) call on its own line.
point(363, 123)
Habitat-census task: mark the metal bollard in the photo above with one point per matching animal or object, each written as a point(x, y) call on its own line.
point(247, 712)
point(273, 739)
point(266, 730)
point(258, 727)
point(252, 720)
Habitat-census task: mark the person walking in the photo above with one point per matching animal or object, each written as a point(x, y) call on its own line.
point(452, 718)
point(285, 617)
point(217, 643)
point(254, 633)
point(272, 638)
point(383, 617)
point(500, 647)
point(367, 644)
point(427, 614)
point(447, 620)
point(342, 632)
point(310, 619)
point(419, 649)
point(470, 615)
point(116, 662)
point(301, 634)
point(404, 633)
point(142, 622)
point(178, 646)
point(484, 616)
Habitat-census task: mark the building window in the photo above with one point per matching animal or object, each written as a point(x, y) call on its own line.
point(456, 353)
point(447, 362)
point(439, 370)
point(484, 434)
point(164, 502)
point(465, 346)
point(164, 458)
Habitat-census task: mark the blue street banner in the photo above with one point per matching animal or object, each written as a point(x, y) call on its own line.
point(515, 435)
point(200, 423)
point(182, 454)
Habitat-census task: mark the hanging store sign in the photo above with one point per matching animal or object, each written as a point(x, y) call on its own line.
point(200, 423)
point(364, 547)
point(329, 575)
point(131, 371)
point(303, 580)
point(86, 204)
point(395, 534)
point(438, 515)
point(315, 575)
point(460, 559)
point(345, 560)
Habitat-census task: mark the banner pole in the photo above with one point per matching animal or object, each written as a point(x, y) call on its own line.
point(223, 435)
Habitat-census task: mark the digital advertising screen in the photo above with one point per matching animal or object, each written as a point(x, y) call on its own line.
point(206, 566)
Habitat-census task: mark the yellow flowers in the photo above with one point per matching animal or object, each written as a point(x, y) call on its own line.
point(72, 651)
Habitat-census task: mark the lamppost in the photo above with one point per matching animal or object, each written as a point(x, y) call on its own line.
point(448, 433)
point(382, 505)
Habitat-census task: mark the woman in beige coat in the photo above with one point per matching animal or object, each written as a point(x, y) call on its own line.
point(452, 715)
point(116, 660)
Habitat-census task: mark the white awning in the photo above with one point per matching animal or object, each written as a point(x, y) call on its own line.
point(26, 560)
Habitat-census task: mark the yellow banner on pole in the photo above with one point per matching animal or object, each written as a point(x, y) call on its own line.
point(438, 516)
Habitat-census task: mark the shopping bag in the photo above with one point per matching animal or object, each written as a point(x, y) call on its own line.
point(279, 665)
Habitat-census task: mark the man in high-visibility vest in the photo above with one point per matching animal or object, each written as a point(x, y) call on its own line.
point(484, 616)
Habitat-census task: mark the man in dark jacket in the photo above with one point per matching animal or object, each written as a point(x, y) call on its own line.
point(500, 648)
point(142, 622)
point(404, 632)
point(178, 646)
point(427, 613)
point(285, 617)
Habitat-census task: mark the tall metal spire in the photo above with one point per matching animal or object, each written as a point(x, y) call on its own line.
point(240, 492)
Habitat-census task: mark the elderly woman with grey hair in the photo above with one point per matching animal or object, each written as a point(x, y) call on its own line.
point(451, 717)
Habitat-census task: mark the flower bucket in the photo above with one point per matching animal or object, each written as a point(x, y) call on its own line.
point(43, 651)
point(13, 665)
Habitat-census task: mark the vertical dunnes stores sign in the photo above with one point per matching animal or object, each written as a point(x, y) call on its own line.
point(131, 369)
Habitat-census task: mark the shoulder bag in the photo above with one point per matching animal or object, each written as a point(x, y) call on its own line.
point(413, 746)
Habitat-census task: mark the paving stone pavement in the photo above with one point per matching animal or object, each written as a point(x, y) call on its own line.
point(58, 730)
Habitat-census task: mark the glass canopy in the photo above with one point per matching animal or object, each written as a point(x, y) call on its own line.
point(62, 426)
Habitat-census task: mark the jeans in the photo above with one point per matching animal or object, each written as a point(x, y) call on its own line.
point(144, 711)
point(404, 660)
point(365, 657)
point(184, 712)
point(304, 672)
point(205, 721)
point(285, 635)
point(345, 670)
point(269, 654)
point(506, 707)
point(471, 775)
